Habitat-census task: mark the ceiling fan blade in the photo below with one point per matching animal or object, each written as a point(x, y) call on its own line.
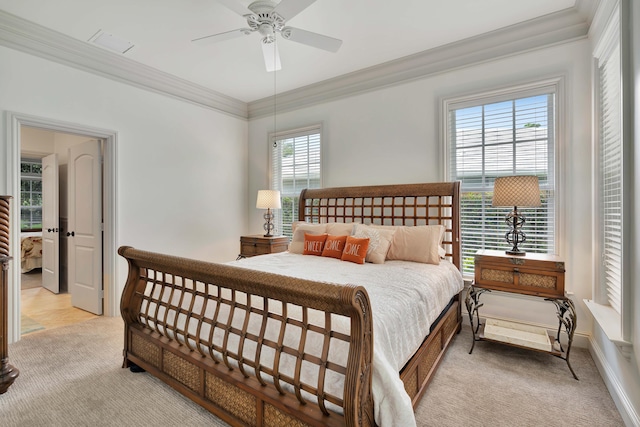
point(287, 9)
point(227, 35)
point(234, 6)
point(311, 39)
point(271, 56)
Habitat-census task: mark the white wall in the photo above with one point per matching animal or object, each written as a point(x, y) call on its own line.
point(392, 136)
point(181, 169)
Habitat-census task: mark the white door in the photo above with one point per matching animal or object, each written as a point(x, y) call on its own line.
point(84, 236)
point(50, 224)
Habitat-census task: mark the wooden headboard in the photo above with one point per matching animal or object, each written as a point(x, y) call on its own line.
point(406, 204)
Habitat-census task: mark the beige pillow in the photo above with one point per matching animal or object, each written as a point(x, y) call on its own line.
point(419, 244)
point(379, 241)
point(299, 229)
point(340, 228)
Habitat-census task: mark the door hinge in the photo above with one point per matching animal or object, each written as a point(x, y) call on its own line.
point(102, 294)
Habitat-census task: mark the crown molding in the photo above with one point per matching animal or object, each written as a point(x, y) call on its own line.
point(26, 36)
point(560, 27)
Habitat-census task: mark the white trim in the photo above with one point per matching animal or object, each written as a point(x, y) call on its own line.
point(616, 390)
point(13, 123)
point(26, 36)
point(609, 321)
point(560, 27)
point(552, 29)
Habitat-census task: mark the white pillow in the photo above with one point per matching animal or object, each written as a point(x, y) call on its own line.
point(299, 228)
point(420, 243)
point(379, 241)
point(340, 228)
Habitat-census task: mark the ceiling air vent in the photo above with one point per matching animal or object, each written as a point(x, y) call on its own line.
point(109, 41)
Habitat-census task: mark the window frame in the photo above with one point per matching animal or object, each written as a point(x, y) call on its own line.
point(30, 177)
point(286, 134)
point(616, 326)
point(555, 84)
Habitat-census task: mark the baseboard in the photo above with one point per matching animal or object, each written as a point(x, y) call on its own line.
point(620, 398)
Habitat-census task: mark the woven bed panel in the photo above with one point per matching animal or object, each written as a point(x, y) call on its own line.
point(497, 275)
point(411, 384)
point(273, 417)
point(185, 372)
point(538, 281)
point(429, 359)
point(235, 401)
point(145, 350)
point(450, 325)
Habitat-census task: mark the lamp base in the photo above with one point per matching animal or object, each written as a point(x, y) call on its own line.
point(515, 252)
point(268, 225)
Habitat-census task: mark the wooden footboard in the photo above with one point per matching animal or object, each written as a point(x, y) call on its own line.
point(190, 324)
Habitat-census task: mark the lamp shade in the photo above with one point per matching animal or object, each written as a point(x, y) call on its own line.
point(522, 190)
point(268, 199)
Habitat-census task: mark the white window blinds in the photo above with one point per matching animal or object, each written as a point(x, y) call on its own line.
point(503, 135)
point(295, 165)
point(610, 175)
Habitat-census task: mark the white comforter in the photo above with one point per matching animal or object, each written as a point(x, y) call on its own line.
point(406, 297)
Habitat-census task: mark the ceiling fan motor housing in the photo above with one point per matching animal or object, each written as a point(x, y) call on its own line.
point(264, 20)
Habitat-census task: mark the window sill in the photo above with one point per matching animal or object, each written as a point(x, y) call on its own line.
point(611, 324)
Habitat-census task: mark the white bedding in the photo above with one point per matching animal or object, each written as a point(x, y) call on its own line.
point(403, 311)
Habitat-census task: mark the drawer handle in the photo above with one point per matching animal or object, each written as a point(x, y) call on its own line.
point(516, 271)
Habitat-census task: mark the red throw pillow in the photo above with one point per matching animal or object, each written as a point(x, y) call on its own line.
point(333, 246)
point(355, 249)
point(314, 244)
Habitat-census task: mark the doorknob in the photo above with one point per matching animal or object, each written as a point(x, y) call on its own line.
point(71, 234)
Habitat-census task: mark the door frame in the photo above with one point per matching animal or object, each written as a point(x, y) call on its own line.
point(14, 121)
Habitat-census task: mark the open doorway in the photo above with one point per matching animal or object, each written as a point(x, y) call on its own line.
point(108, 272)
point(46, 301)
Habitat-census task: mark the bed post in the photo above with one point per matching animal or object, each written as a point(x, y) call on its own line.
point(358, 400)
point(129, 307)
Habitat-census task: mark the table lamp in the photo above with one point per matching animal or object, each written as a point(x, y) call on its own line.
point(268, 199)
point(523, 191)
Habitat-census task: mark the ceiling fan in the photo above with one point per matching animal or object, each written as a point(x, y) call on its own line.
point(268, 18)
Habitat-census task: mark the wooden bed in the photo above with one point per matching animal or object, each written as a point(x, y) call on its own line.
point(170, 333)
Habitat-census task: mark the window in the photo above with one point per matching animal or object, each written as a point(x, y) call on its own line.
point(30, 194)
point(295, 165)
point(610, 168)
point(509, 132)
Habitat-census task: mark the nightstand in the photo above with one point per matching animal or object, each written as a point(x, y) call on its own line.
point(257, 244)
point(539, 275)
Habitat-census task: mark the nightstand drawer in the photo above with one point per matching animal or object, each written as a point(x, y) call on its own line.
point(260, 245)
point(533, 274)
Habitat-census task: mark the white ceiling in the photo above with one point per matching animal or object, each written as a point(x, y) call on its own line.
point(373, 32)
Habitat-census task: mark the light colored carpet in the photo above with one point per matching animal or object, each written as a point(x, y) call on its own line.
point(71, 376)
point(499, 385)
